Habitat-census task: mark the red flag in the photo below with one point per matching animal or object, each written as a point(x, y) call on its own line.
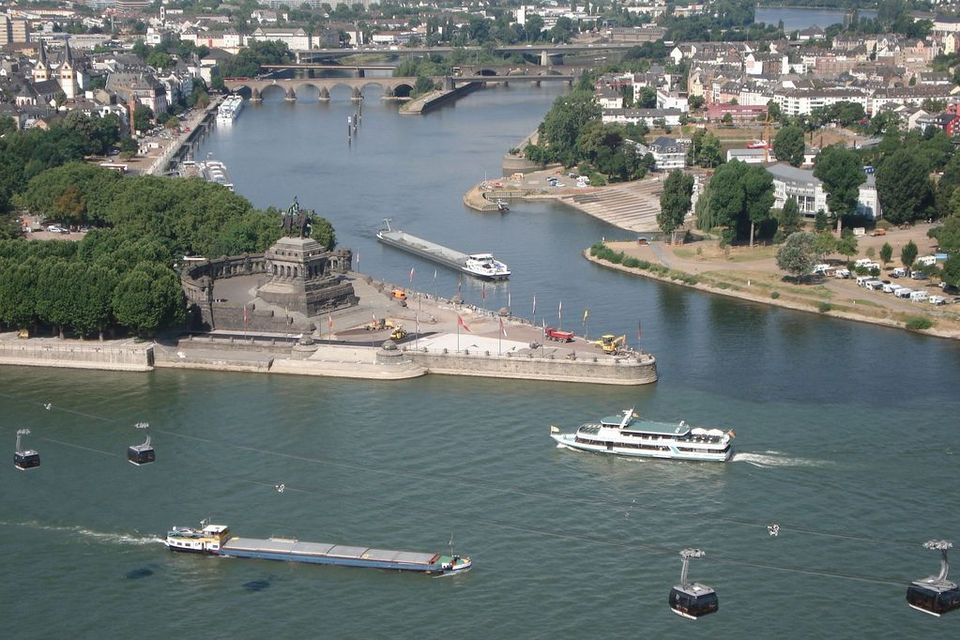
point(503, 329)
point(461, 323)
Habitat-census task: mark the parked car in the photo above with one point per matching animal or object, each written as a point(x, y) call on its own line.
point(874, 285)
point(919, 296)
point(937, 300)
point(891, 288)
point(903, 292)
point(55, 228)
point(841, 273)
point(899, 272)
point(919, 275)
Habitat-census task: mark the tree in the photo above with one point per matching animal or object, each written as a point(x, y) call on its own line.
point(647, 98)
point(741, 196)
point(951, 271)
point(727, 119)
point(908, 254)
point(773, 108)
point(820, 221)
point(789, 217)
point(886, 253)
point(823, 244)
point(903, 187)
point(695, 102)
point(705, 150)
point(675, 200)
point(842, 174)
point(847, 245)
point(142, 117)
point(788, 145)
point(149, 298)
point(796, 255)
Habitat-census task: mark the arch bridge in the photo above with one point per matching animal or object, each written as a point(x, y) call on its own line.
point(393, 88)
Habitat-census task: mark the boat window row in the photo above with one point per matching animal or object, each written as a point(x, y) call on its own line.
point(623, 445)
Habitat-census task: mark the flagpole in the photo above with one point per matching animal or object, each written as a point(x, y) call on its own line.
point(419, 308)
point(458, 334)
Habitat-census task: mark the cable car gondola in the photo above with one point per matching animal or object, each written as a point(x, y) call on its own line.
point(140, 454)
point(24, 459)
point(692, 600)
point(935, 594)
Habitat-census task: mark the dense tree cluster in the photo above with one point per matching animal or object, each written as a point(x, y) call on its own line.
point(738, 198)
point(788, 145)
point(122, 273)
point(24, 155)
point(572, 134)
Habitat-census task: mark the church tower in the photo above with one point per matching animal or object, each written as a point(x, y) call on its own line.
point(41, 70)
point(68, 74)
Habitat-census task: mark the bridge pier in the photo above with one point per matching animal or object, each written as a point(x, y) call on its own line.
point(388, 93)
point(255, 96)
point(291, 95)
point(324, 95)
point(357, 95)
point(536, 83)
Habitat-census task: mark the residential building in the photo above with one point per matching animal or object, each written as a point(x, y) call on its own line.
point(807, 190)
point(668, 153)
point(295, 38)
point(739, 113)
point(670, 117)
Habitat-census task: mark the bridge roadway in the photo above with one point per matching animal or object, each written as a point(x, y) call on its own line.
point(393, 88)
point(556, 49)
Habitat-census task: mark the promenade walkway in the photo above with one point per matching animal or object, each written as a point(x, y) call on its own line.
point(632, 206)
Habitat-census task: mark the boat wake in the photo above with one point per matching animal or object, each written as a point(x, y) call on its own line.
point(771, 459)
point(99, 536)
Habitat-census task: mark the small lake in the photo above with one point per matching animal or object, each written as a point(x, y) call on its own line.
point(802, 17)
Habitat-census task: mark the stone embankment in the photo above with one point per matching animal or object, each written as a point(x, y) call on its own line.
point(632, 206)
point(76, 354)
point(434, 99)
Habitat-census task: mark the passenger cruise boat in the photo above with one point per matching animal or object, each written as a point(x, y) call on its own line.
point(229, 109)
point(628, 435)
point(486, 266)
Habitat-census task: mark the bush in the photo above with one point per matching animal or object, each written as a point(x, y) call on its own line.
point(883, 224)
point(918, 323)
point(775, 294)
point(633, 263)
point(824, 307)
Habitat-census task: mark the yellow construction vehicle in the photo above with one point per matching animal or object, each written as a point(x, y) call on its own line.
point(398, 333)
point(611, 344)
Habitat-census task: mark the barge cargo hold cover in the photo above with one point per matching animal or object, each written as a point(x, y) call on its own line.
point(217, 540)
point(481, 265)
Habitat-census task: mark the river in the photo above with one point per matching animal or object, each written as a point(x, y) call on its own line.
point(847, 438)
point(804, 17)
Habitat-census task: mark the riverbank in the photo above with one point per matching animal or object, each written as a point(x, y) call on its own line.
point(754, 277)
point(438, 336)
point(631, 206)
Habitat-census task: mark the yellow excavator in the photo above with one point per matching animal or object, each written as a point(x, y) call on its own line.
point(611, 344)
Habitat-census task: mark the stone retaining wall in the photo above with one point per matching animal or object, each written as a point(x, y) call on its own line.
point(631, 372)
point(75, 355)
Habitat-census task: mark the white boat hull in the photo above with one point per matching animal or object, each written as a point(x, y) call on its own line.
point(569, 441)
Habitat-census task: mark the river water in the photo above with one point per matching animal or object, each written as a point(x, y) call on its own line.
point(847, 439)
point(803, 17)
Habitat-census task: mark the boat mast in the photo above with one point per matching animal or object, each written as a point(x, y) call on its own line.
point(386, 221)
point(685, 555)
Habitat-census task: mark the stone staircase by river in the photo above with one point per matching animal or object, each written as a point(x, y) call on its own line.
point(632, 206)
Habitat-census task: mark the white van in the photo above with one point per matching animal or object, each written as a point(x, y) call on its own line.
point(899, 272)
point(891, 288)
point(841, 273)
point(863, 280)
point(863, 262)
point(873, 285)
point(919, 296)
point(927, 261)
point(938, 300)
point(903, 292)
point(821, 268)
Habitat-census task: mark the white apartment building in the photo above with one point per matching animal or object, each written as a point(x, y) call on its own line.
point(796, 102)
point(800, 184)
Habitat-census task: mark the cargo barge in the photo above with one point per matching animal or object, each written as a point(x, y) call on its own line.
point(216, 539)
point(482, 265)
